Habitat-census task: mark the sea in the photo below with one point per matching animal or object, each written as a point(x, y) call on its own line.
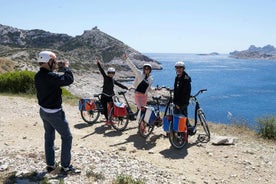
point(238, 90)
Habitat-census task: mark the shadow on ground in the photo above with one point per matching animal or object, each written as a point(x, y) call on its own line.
point(174, 153)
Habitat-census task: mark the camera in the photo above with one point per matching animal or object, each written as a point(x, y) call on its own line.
point(61, 66)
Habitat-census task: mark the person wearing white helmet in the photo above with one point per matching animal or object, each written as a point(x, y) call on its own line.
point(108, 88)
point(182, 89)
point(142, 82)
point(48, 86)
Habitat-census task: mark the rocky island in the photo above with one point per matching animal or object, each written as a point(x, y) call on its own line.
point(267, 52)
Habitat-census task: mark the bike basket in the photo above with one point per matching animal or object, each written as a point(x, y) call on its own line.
point(120, 109)
point(150, 116)
point(86, 104)
point(179, 123)
point(166, 123)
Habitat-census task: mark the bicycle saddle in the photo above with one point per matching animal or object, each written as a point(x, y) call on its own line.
point(156, 97)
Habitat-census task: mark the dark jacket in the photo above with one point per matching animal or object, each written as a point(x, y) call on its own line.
point(182, 90)
point(48, 83)
point(108, 86)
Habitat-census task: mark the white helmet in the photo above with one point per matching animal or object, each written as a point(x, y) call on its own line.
point(45, 56)
point(111, 70)
point(179, 64)
point(147, 65)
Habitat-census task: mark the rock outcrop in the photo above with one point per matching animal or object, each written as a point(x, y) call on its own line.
point(267, 52)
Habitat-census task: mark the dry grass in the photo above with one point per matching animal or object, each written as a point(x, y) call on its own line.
point(6, 65)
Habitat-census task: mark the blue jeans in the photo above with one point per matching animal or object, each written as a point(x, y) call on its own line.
point(56, 121)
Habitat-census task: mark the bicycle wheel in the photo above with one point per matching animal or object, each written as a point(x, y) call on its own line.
point(118, 123)
point(90, 116)
point(202, 119)
point(178, 139)
point(144, 128)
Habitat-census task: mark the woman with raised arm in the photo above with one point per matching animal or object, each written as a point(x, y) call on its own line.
point(142, 82)
point(108, 88)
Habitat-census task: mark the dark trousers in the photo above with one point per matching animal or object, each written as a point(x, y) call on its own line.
point(182, 110)
point(56, 122)
point(105, 100)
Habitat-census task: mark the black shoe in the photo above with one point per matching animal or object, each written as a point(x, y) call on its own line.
point(51, 168)
point(70, 170)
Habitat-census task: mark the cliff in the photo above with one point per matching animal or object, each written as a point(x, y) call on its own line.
point(24, 45)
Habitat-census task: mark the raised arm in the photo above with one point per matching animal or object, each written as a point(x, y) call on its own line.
point(131, 65)
point(100, 68)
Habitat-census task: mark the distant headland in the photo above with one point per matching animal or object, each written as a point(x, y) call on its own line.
point(209, 54)
point(267, 52)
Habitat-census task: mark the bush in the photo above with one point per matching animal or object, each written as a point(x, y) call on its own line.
point(125, 179)
point(17, 82)
point(266, 127)
point(22, 82)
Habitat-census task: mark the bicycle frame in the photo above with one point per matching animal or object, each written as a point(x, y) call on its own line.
point(179, 139)
point(91, 116)
point(145, 127)
point(199, 114)
point(130, 113)
point(120, 122)
point(197, 105)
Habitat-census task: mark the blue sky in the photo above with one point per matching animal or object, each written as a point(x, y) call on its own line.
point(162, 26)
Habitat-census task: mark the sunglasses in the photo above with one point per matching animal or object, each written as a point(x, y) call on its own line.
point(111, 73)
point(146, 68)
point(178, 67)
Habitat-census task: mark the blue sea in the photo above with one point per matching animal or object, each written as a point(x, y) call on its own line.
point(237, 89)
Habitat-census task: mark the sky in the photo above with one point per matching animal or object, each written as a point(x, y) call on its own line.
point(154, 26)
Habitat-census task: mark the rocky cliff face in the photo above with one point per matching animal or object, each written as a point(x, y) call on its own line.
point(267, 52)
point(24, 45)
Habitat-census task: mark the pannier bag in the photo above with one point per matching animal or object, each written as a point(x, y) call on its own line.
point(120, 109)
point(166, 123)
point(86, 104)
point(150, 116)
point(179, 123)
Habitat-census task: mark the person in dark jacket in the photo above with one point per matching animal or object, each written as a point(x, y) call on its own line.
point(48, 86)
point(182, 89)
point(108, 88)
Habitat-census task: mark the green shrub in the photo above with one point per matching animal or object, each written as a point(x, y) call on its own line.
point(22, 82)
point(17, 82)
point(125, 179)
point(266, 127)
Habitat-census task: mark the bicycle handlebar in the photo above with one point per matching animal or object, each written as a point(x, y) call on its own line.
point(200, 91)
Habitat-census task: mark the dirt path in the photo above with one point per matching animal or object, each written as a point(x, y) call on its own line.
point(249, 160)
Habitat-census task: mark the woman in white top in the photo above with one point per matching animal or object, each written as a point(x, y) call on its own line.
point(142, 82)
